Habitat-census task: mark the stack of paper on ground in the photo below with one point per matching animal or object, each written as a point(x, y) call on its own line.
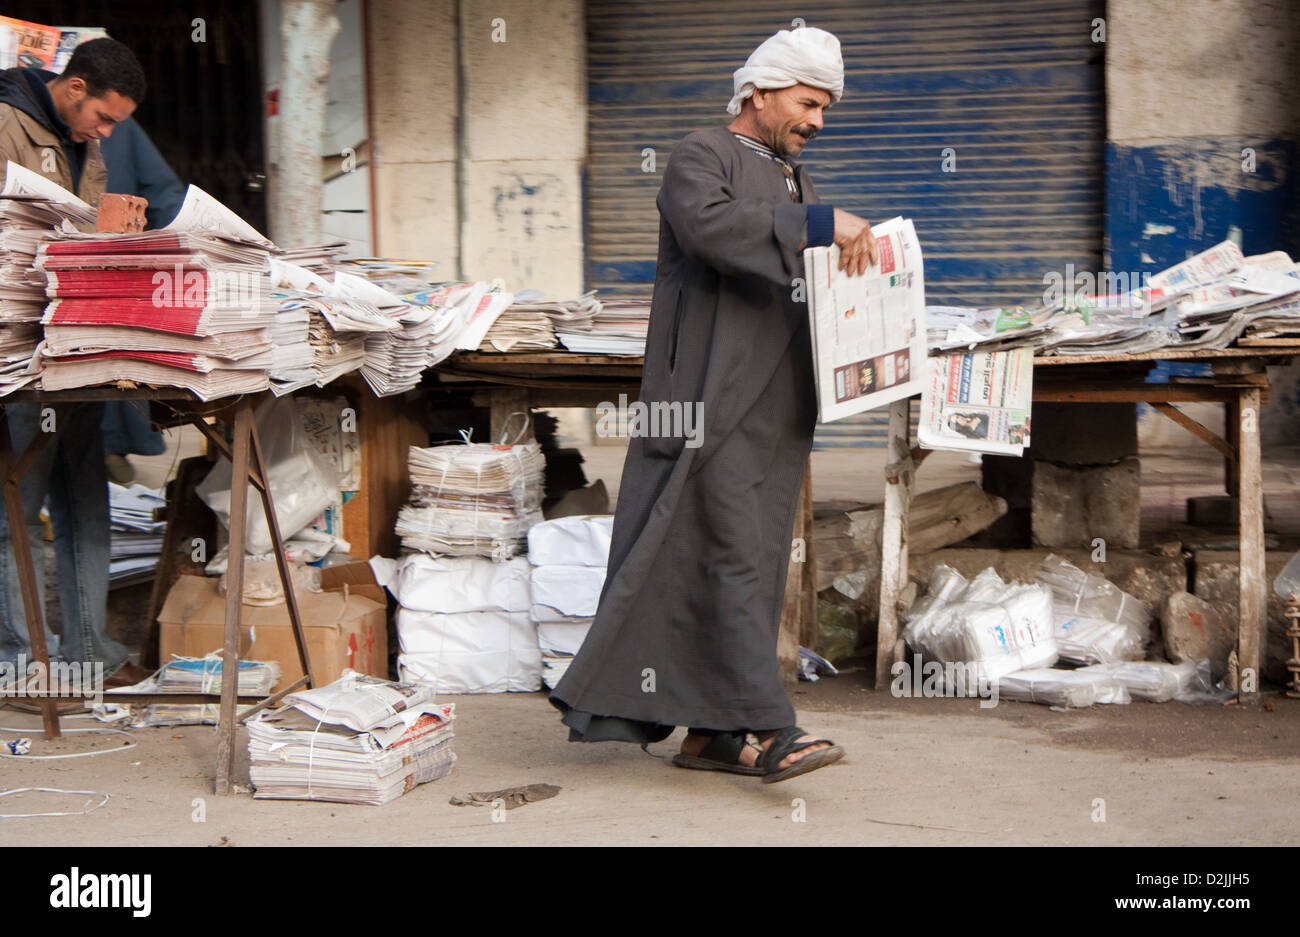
point(360, 740)
point(472, 499)
point(31, 207)
point(994, 627)
point(868, 330)
point(135, 538)
point(197, 675)
point(185, 306)
point(978, 401)
point(203, 675)
point(1096, 621)
point(617, 327)
point(463, 622)
point(568, 556)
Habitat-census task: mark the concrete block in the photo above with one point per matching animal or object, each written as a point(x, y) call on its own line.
point(1215, 577)
point(1072, 506)
point(1194, 630)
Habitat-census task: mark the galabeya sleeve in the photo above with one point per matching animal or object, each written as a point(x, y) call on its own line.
point(735, 236)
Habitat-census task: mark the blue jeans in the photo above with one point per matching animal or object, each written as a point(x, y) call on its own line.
point(70, 470)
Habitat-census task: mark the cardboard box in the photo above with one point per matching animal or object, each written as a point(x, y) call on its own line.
point(343, 628)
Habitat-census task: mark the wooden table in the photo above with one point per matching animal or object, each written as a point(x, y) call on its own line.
point(245, 453)
point(1239, 381)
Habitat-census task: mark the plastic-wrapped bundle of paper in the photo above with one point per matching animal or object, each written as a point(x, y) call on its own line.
point(1003, 628)
point(1153, 681)
point(463, 624)
point(472, 499)
point(571, 541)
point(569, 555)
point(1073, 688)
point(358, 740)
point(1096, 621)
point(469, 652)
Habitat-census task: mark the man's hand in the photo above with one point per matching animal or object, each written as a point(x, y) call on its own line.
point(855, 241)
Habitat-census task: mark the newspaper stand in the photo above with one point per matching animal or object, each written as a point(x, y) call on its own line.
point(245, 454)
point(1240, 381)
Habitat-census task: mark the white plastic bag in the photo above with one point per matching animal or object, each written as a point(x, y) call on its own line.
point(303, 483)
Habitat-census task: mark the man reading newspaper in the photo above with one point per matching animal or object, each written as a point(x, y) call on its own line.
point(686, 630)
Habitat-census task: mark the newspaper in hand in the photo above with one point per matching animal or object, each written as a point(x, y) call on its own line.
point(978, 402)
point(868, 331)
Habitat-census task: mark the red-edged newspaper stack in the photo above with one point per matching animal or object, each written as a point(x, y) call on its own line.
point(187, 306)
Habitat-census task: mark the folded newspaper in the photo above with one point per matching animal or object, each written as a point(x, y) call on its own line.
point(978, 402)
point(868, 331)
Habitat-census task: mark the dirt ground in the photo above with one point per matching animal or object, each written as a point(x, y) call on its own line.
point(917, 772)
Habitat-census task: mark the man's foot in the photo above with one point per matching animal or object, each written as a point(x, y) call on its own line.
point(765, 740)
point(693, 744)
point(791, 751)
point(724, 751)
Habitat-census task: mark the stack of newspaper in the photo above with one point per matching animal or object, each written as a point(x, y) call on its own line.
point(359, 740)
point(30, 208)
point(1207, 301)
point(472, 499)
point(525, 325)
point(618, 327)
point(135, 538)
point(185, 306)
point(203, 675)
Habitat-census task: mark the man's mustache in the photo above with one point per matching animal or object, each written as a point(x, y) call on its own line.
point(806, 132)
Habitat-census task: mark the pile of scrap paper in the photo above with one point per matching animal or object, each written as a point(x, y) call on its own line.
point(360, 740)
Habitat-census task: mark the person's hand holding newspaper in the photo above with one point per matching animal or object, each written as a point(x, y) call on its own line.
point(856, 243)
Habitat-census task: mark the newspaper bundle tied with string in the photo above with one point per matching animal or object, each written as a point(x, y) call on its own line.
point(359, 740)
point(473, 499)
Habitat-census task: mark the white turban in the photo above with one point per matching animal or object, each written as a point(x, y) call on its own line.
point(803, 56)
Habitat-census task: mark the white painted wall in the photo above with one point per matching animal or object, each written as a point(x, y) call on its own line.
point(515, 210)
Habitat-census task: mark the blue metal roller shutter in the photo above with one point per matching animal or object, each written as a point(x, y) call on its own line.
point(1014, 88)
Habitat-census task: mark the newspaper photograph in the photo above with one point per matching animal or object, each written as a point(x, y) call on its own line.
point(978, 402)
point(868, 331)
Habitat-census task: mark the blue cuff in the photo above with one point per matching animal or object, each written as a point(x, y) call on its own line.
point(821, 225)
